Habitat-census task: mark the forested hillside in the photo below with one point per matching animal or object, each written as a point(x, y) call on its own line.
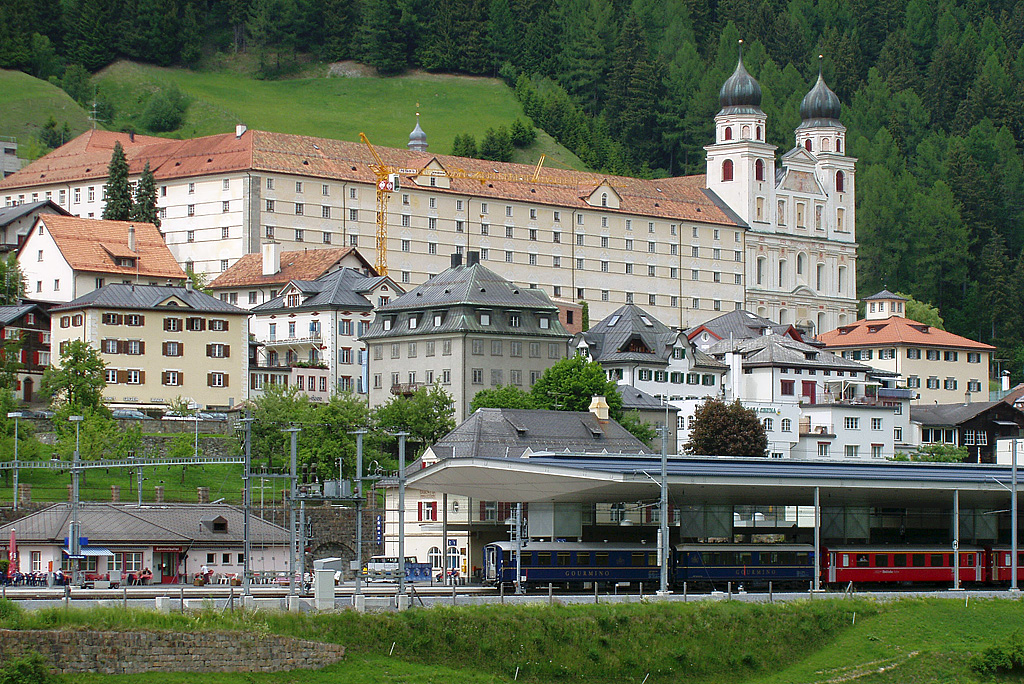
point(932, 94)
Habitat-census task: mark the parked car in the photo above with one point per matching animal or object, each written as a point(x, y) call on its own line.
point(212, 415)
point(42, 413)
point(174, 415)
point(129, 414)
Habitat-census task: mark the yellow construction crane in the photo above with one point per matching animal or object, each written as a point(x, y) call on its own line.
point(388, 181)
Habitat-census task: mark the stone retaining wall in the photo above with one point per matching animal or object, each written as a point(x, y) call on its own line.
point(71, 651)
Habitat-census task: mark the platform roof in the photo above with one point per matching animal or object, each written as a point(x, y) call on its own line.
point(594, 478)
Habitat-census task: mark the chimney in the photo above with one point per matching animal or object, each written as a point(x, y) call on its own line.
point(239, 130)
point(599, 407)
point(271, 258)
point(131, 237)
point(472, 258)
point(456, 260)
point(1004, 381)
point(131, 136)
point(188, 284)
point(203, 495)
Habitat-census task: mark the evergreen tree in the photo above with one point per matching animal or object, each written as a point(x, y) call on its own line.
point(464, 146)
point(501, 36)
point(383, 43)
point(118, 193)
point(91, 42)
point(144, 208)
point(521, 134)
point(191, 36)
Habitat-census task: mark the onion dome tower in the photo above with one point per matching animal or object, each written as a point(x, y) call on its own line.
point(740, 164)
point(820, 129)
point(417, 139)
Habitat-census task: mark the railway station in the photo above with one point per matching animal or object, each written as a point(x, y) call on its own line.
point(855, 506)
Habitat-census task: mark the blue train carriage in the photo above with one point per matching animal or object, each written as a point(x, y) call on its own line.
point(747, 564)
point(572, 563)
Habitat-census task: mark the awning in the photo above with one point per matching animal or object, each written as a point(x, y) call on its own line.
point(1007, 423)
point(92, 551)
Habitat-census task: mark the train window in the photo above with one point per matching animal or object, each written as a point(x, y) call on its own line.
point(967, 560)
point(917, 559)
point(846, 560)
point(745, 558)
point(1007, 561)
point(802, 558)
point(652, 559)
point(1020, 559)
point(543, 558)
point(862, 560)
point(527, 558)
point(601, 558)
point(937, 560)
point(583, 558)
point(637, 559)
point(563, 558)
point(881, 560)
point(899, 560)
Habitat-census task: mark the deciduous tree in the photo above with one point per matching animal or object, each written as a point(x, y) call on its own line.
point(78, 380)
point(721, 429)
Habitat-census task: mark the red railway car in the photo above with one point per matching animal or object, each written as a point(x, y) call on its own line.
point(911, 564)
point(1000, 566)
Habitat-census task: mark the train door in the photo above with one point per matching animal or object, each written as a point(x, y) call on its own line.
point(491, 563)
point(832, 566)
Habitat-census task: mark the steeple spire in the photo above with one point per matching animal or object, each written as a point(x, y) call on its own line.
point(417, 139)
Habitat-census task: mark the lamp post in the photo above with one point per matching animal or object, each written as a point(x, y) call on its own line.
point(359, 505)
point(15, 415)
point(663, 549)
point(194, 407)
point(74, 535)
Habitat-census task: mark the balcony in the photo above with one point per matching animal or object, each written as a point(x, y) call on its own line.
point(894, 393)
point(806, 428)
point(404, 389)
point(312, 338)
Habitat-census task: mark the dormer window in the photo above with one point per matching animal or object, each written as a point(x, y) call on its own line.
point(544, 322)
point(293, 300)
point(678, 353)
point(485, 318)
point(513, 320)
point(126, 262)
point(438, 319)
point(414, 320)
point(604, 199)
point(388, 322)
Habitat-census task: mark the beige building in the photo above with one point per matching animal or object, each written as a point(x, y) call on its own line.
point(65, 257)
point(160, 344)
point(942, 368)
point(466, 329)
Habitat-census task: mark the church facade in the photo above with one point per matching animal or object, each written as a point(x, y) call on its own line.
point(776, 237)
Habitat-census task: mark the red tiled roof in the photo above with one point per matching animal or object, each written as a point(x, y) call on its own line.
point(86, 157)
point(896, 330)
point(298, 265)
point(92, 245)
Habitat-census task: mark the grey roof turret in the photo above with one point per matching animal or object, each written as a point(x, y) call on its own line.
point(821, 106)
point(418, 138)
point(741, 93)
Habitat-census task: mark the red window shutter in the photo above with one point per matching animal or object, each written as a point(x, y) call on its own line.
point(41, 338)
point(419, 507)
point(227, 350)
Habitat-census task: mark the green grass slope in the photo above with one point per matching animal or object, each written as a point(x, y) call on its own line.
point(808, 642)
point(26, 102)
point(331, 107)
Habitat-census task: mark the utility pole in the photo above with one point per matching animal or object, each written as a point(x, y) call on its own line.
point(75, 541)
point(15, 415)
point(1013, 518)
point(401, 510)
point(293, 491)
point(663, 546)
point(246, 505)
point(359, 507)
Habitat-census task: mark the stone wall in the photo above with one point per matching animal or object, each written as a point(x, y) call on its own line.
point(133, 652)
point(332, 531)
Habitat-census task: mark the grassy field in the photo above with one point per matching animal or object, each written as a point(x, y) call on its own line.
point(335, 107)
point(26, 102)
point(908, 642)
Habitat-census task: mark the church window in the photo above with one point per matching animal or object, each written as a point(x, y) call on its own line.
point(727, 170)
point(840, 181)
point(839, 145)
point(759, 209)
point(782, 272)
point(801, 263)
point(819, 277)
point(759, 170)
point(760, 271)
point(824, 145)
point(758, 132)
point(839, 220)
point(727, 134)
point(746, 132)
point(807, 144)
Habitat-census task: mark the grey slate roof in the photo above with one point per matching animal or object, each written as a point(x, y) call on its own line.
point(11, 313)
point(742, 324)
point(950, 415)
point(125, 296)
point(126, 524)
point(341, 289)
point(10, 214)
point(500, 433)
point(885, 294)
point(609, 339)
point(634, 399)
point(776, 350)
point(458, 294)
point(475, 285)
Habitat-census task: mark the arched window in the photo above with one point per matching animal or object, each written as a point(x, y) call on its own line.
point(746, 132)
point(727, 170)
point(839, 145)
point(840, 181)
point(782, 272)
point(825, 145)
point(801, 263)
point(758, 132)
point(759, 170)
point(787, 425)
point(604, 199)
point(807, 144)
point(768, 422)
point(819, 280)
point(435, 557)
point(759, 276)
point(727, 133)
point(783, 316)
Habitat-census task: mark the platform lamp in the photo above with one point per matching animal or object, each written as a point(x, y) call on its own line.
point(74, 535)
point(15, 415)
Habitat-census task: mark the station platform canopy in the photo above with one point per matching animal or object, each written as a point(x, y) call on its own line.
point(597, 478)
